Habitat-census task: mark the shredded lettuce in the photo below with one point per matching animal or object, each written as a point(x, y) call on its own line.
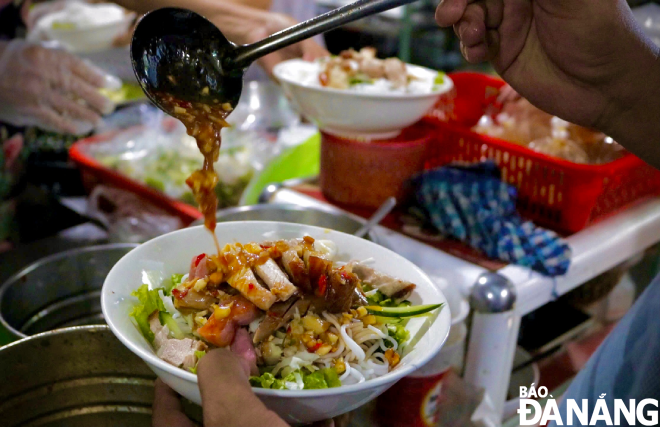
point(267, 380)
point(322, 378)
point(149, 302)
point(398, 332)
point(379, 298)
point(175, 281)
point(198, 355)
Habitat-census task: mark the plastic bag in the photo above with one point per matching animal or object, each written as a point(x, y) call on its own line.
point(162, 156)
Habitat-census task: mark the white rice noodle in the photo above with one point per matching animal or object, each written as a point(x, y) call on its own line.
point(371, 350)
point(355, 373)
point(352, 345)
point(384, 336)
point(340, 350)
point(346, 373)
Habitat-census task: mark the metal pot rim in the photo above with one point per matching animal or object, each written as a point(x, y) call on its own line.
point(291, 207)
point(55, 332)
point(45, 260)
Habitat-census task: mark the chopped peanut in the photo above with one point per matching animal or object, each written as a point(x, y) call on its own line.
point(227, 106)
point(200, 285)
point(369, 320)
point(179, 110)
point(314, 323)
point(392, 357)
point(216, 278)
point(220, 312)
point(332, 338)
point(205, 91)
point(323, 350)
point(340, 366)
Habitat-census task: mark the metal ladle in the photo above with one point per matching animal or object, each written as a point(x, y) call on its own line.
point(181, 53)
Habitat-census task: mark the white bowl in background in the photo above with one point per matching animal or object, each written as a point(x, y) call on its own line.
point(171, 254)
point(350, 113)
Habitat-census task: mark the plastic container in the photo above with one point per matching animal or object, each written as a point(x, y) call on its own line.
point(365, 173)
point(93, 173)
point(552, 192)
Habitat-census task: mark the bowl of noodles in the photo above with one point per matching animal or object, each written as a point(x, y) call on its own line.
point(327, 320)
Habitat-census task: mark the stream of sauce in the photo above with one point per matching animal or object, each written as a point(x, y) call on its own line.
point(204, 122)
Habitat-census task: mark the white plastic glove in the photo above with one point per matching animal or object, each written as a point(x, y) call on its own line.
point(51, 89)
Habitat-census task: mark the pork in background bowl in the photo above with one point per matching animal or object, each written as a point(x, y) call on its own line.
point(358, 105)
point(171, 254)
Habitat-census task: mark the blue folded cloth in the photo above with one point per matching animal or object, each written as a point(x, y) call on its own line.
point(472, 204)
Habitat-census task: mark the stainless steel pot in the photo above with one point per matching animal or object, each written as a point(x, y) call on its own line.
point(327, 218)
point(58, 291)
point(80, 376)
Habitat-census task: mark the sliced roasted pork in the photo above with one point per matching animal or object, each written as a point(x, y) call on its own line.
point(248, 285)
point(193, 299)
point(341, 287)
point(295, 268)
point(388, 285)
point(275, 279)
point(279, 315)
point(180, 353)
point(220, 330)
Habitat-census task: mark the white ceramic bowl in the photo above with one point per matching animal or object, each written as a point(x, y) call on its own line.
point(171, 254)
point(88, 40)
point(354, 114)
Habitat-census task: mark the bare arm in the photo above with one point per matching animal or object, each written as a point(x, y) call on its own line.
point(236, 20)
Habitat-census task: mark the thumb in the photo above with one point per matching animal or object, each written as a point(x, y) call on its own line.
point(226, 392)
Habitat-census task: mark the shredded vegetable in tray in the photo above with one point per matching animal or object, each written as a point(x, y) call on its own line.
point(301, 320)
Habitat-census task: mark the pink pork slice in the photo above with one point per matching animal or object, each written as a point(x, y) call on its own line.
point(180, 353)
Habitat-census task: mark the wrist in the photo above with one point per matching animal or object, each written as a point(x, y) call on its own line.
point(633, 114)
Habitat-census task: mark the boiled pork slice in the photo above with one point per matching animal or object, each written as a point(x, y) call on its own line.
point(180, 353)
point(388, 285)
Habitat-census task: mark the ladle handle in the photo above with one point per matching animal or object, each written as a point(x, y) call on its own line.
point(335, 18)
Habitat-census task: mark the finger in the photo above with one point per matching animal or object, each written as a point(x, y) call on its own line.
point(81, 89)
point(223, 383)
point(485, 51)
point(49, 120)
point(167, 409)
point(86, 72)
point(471, 29)
point(68, 107)
point(449, 12)
point(494, 13)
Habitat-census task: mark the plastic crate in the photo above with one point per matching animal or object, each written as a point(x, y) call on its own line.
point(94, 173)
point(552, 192)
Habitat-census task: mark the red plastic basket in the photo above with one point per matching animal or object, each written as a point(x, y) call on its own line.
point(94, 173)
point(552, 192)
